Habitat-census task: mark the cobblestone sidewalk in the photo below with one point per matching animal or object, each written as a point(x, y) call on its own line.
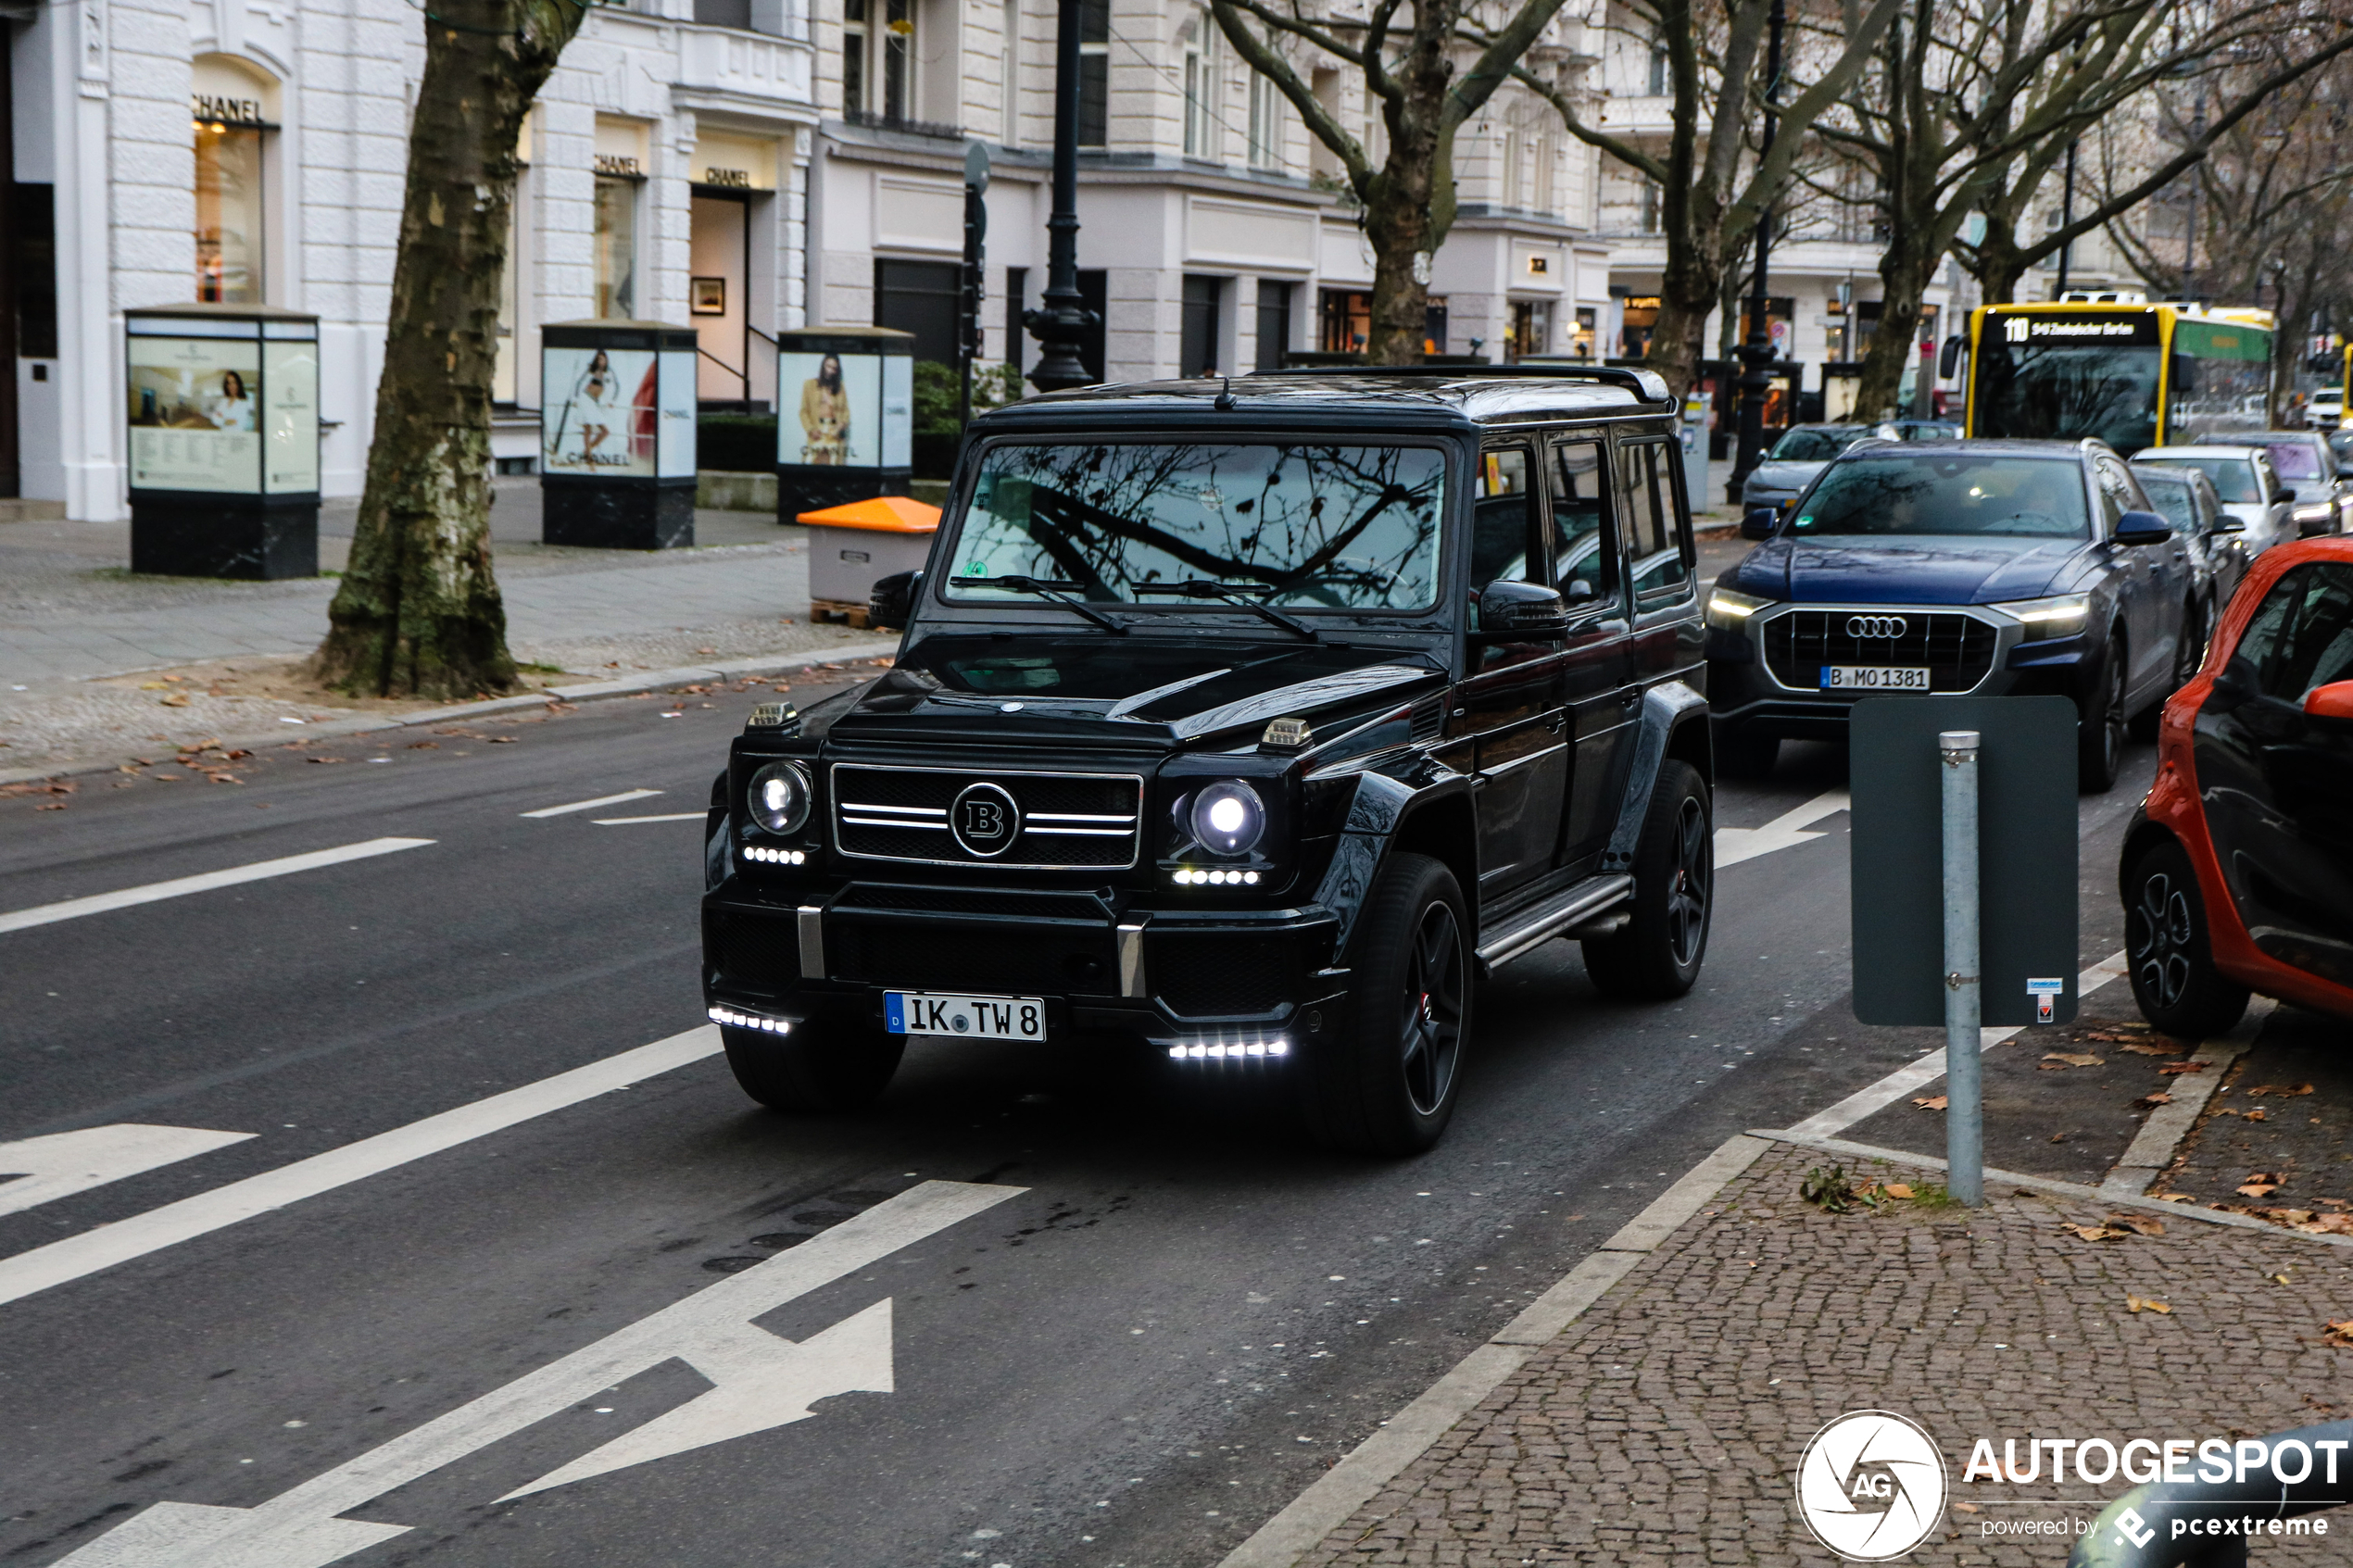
point(1666, 1424)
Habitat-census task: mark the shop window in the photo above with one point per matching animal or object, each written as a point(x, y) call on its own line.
point(1094, 73)
point(1634, 330)
point(1581, 344)
point(1274, 323)
point(229, 211)
point(1196, 352)
point(616, 247)
point(1531, 332)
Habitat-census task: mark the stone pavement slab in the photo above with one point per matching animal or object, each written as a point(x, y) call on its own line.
point(1664, 1424)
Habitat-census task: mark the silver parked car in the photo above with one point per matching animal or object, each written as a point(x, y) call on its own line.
point(2243, 482)
point(2306, 464)
point(2215, 540)
point(1801, 454)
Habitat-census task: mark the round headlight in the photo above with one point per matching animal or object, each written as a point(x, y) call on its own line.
point(779, 796)
point(1228, 817)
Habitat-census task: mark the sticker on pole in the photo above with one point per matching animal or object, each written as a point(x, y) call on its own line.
point(2046, 994)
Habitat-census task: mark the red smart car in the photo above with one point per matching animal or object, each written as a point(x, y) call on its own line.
point(2238, 870)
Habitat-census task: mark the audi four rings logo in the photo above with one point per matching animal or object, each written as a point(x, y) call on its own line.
point(1874, 625)
point(985, 819)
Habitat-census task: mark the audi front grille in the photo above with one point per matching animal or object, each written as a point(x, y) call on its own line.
point(987, 816)
point(1956, 649)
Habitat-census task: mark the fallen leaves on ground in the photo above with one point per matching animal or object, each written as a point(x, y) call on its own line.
point(1828, 1190)
point(2152, 1047)
point(2263, 1184)
point(2072, 1058)
point(1898, 1189)
point(2097, 1232)
point(2339, 1333)
point(2257, 1115)
point(1931, 1102)
point(177, 699)
point(502, 740)
point(2154, 1100)
point(2143, 1224)
point(2145, 1304)
point(2284, 1090)
point(2175, 1068)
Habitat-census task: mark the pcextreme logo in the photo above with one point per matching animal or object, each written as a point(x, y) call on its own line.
point(1872, 1485)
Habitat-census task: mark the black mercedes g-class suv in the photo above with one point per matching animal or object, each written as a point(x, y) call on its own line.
point(1255, 721)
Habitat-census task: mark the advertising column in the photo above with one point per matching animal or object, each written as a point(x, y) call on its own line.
point(846, 417)
point(617, 435)
point(223, 421)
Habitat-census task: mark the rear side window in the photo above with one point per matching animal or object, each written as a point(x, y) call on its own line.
point(1502, 516)
point(1654, 534)
point(1584, 547)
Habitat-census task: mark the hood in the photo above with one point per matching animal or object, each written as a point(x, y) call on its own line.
point(1096, 691)
point(1929, 569)
point(1792, 477)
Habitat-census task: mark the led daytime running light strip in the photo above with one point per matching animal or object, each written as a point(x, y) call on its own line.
point(1189, 876)
point(778, 857)
point(750, 1021)
point(1221, 1050)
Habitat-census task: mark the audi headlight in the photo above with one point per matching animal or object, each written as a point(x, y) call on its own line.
point(1228, 818)
point(1730, 611)
point(780, 797)
point(2062, 615)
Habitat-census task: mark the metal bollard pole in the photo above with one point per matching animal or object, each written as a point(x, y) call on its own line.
point(1963, 1068)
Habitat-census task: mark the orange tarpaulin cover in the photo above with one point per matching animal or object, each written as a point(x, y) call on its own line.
point(886, 514)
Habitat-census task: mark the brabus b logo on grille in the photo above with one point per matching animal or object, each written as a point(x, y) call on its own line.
point(985, 819)
point(1875, 626)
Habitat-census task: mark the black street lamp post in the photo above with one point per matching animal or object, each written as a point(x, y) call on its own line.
point(1757, 349)
point(1061, 325)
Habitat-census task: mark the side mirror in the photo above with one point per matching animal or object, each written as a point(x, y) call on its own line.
point(1521, 611)
point(2226, 523)
point(1758, 523)
point(2281, 493)
point(892, 601)
point(2235, 683)
point(2141, 528)
point(2332, 701)
point(1577, 591)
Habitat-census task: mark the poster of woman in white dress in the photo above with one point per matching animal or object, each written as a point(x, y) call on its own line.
point(602, 415)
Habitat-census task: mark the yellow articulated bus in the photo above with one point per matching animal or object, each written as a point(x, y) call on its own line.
point(2117, 370)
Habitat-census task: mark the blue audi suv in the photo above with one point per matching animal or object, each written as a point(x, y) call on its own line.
point(1986, 567)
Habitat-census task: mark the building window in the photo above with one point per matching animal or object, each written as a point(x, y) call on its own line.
point(1009, 74)
point(922, 298)
point(1650, 215)
point(1510, 169)
point(897, 58)
point(1016, 339)
point(1196, 92)
point(853, 58)
point(1545, 174)
point(1197, 353)
point(1658, 68)
point(616, 247)
point(229, 214)
point(1531, 332)
point(1274, 323)
point(1094, 73)
point(1266, 123)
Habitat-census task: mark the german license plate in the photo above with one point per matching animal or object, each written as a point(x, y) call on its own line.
point(1872, 678)
point(970, 1018)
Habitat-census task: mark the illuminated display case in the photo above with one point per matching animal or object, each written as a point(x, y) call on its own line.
point(223, 417)
point(617, 434)
point(846, 419)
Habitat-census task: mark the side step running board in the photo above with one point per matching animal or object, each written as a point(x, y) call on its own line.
point(1570, 907)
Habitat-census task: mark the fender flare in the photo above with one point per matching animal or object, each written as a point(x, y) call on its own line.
point(1382, 812)
point(1666, 708)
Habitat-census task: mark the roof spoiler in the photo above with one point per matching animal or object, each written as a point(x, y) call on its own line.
point(1648, 385)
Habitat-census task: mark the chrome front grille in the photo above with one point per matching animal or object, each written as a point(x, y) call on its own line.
point(1956, 649)
point(987, 816)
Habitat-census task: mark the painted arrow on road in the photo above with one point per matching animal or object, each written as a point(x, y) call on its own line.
point(35, 1171)
point(760, 1380)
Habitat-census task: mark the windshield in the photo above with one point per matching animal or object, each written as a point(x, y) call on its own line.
point(2295, 460)
point(1307, 526)
point(2034, 497)
point(2234, 477)
point(2172, 497)
point(2039, 392)
point(1816, 443)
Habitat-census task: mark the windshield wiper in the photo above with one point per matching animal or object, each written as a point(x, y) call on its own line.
point(1207, 588)
point(1049, 588)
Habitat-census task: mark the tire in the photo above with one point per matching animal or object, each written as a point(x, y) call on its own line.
point(2166, 944)
point(1657, 954)
point(1745, 756)
point(2188, 654)
point(2099, 728)
point(1387, 1083)
point(819, 1067)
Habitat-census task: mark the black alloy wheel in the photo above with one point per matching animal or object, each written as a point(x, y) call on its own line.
point(2100, 732)
point(1656, 955)
point(1386, 1082)
point(2165, 942)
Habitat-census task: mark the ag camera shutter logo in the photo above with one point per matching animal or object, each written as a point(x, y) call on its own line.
point(1872, 1485)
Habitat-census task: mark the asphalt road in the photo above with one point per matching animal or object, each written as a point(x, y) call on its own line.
point(1155, 1319)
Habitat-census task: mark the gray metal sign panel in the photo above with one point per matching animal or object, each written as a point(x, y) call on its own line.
point(2027, 864)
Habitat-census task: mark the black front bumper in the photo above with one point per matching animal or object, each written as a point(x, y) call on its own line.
point(1172, 977)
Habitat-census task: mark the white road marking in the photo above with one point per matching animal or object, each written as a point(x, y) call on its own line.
point(98, 903)
point(45, 1169)
point(672, 817)
point(591, 805)
point(1735, 845)
point(76, 1256)
point(1928, 1069)
point(759, 1380)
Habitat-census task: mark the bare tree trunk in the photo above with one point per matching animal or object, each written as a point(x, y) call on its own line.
point(418, 611)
